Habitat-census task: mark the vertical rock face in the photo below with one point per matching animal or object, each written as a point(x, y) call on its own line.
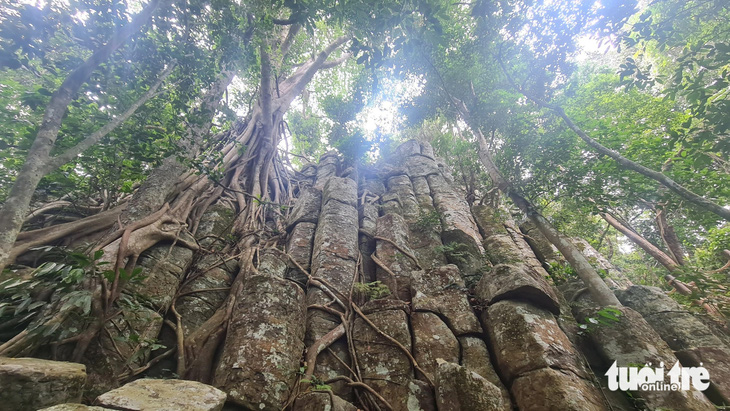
point(432, 340)
point(690, 339)
point(334, 260)
point(461, 389)
point(537, 359)
point(260, 359)
point(205, 286)
point(388, 290)
point(631, 340)
point(395, 268)
point(383, 364)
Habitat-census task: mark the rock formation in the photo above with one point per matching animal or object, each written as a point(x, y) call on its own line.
point(383, 290)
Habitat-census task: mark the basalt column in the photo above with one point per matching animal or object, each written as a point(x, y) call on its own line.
point(424, 224)
point(334, 263)
point(534, 356)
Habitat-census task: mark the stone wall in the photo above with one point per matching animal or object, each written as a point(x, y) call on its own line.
point(409, 299)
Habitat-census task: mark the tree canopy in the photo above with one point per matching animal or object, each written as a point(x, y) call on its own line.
point(232, 97)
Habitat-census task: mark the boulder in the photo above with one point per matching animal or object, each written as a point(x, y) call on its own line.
point(340, 189)
point(678, 328)
point(394, 228)
point(423, 194)
point(421, 166)
point(458, 389)
point(336, 233)
point(326, 168)
point(442, 291)
point(299, 247)
point(306, 208)
point(526, 338)
point(402, 187)
point(504, 282)
point(556, 390)
point(432, 340)
point(406, 150)
point(319, 323)
point(454, 210)
point(164, 395)
point(31, 383)
point(717, 362)
point(272, 263)
point(631, 340)
point(475, 357)
point(75, 407)
point(427, 149)
point(383, 365)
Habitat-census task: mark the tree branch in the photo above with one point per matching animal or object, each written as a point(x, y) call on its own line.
point(616, 156)
point(94, 138)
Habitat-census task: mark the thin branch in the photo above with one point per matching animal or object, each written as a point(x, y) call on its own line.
point(95, 137)
point(616, 156)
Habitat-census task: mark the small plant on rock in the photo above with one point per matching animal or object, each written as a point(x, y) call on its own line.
point(373, 290)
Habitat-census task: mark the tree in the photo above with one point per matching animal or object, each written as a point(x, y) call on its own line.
point(39, 161)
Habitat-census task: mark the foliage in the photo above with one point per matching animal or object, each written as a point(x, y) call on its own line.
point(52, 286)
point(429, 221)
point(605, 317)
point(561, 273)
point(455, 252)
point(317, 384)
point(372, 290)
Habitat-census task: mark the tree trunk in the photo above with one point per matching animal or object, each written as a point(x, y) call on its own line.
point(595, 284)
point(669, 237)
point(36, 166)
point(652, 250)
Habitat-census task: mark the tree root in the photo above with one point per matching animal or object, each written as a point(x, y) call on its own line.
point(369, 389)
point(391, 242)
point(406, 351)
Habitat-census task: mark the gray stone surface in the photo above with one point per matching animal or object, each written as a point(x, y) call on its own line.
point(441, 291)
point(394, 228)
point(475, 357)
point(678, 328)
point(432, 340)
point(264, 342)
point(526, 338)
point(32, 383)
point(458, 389)
point(504, 282)
point(164, 395)
point(555, 389)
point(306, 208)
point(299, 247)
point(383, 365)
point(75, 407)
point(632, 341)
